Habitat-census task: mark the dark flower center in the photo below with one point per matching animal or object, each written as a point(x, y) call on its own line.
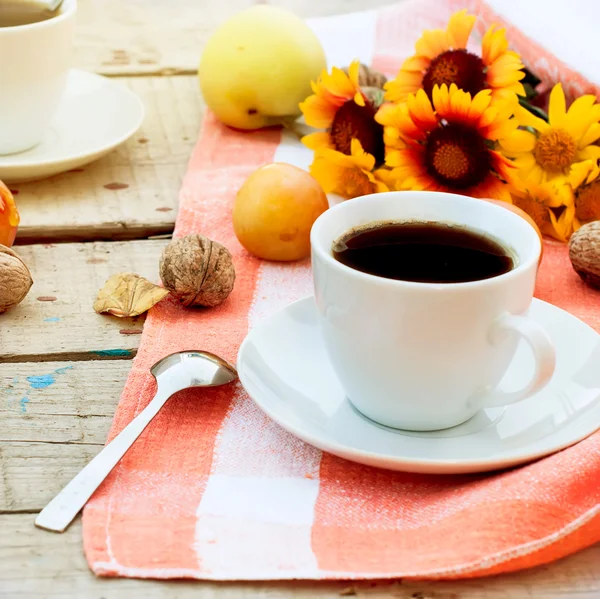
point(455, 66)
point(352, 121)
point(457, 156)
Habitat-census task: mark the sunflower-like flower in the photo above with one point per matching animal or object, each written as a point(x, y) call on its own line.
point(585, 182)
point(450, 143)
point(441, 58)
point(348, 176)
point(340, 106)
point(547, 151)
point(550, 205)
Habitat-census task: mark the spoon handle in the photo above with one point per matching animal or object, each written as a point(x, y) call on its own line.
point(60, 512)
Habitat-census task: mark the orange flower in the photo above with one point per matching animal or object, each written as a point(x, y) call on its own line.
point(348, 176)
point(441, 58)
point(450, 144)
point(339, 106)
point(550, 205)
point(585, 182)
point(9, 216)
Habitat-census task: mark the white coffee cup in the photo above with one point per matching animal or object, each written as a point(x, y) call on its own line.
point(424, 356)
point(34, 62)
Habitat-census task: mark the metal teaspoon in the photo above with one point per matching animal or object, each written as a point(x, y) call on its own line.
point(173, 373)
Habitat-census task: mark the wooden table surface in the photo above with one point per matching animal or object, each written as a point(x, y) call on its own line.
point(75, 232)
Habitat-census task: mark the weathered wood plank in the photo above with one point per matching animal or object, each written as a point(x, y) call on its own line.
point(54, 417)
point(56, 320)
point(162, 38)
point(83, 205)
point(38, 564)
point(31, 474)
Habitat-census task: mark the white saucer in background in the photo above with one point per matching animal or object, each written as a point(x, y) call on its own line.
point(284, 368)
point(95, 116)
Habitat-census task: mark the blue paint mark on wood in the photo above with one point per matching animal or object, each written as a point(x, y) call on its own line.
point(63, 370)
point(42, 381)
point(45, 380)
point(112, 352)
point(22, 403)
point(52, 319)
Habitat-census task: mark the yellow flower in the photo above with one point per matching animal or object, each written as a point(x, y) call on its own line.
point(550, 205)
point(449, 145)
point(348, 176)
point(441, 58)
point(549, 152)
point(339, 106)
point(583, 179)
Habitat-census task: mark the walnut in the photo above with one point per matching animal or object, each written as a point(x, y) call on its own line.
point(15, 279)
point(367, 77)
point(584, 252)
point(197, 271)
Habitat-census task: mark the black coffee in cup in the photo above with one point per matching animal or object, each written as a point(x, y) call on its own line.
point(15, 13)
point(422, 252)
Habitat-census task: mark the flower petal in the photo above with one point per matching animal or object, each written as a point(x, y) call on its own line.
point(519, 141)
point(459, 29)
point(327, 174)
point(318, 140)
point(432, 43)
point(479, 104)
point(421, 111)
point(493, 45)
point(590, 136)
point(339, 84)
point(527, 119)
point(362, 158)
point(353, 72)
point(557, 110)
point(441, 99)
point(359, 98)
point(416, 64)
point(318, 112)
point(589, 153)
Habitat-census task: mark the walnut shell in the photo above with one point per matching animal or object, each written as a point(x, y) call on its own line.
point(197, 271)
point(15, 279)
point(367, 77)
point(584, 252)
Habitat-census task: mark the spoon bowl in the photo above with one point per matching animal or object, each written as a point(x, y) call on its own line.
point(192, 368)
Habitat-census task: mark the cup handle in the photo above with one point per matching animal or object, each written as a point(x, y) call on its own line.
point(543, 352)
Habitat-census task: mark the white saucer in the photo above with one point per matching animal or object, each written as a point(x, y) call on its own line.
point(96, 115)
point(284, 368)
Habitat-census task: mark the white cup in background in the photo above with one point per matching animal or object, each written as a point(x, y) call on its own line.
point(425, 356)
point(34, 63)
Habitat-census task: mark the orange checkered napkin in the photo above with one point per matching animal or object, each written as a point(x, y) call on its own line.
point(214, 489)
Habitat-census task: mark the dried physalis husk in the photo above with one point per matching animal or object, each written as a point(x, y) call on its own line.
point(368, 77)
point(197, 271)
point(126, 294)
point(15, 279)
point(584, 252)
